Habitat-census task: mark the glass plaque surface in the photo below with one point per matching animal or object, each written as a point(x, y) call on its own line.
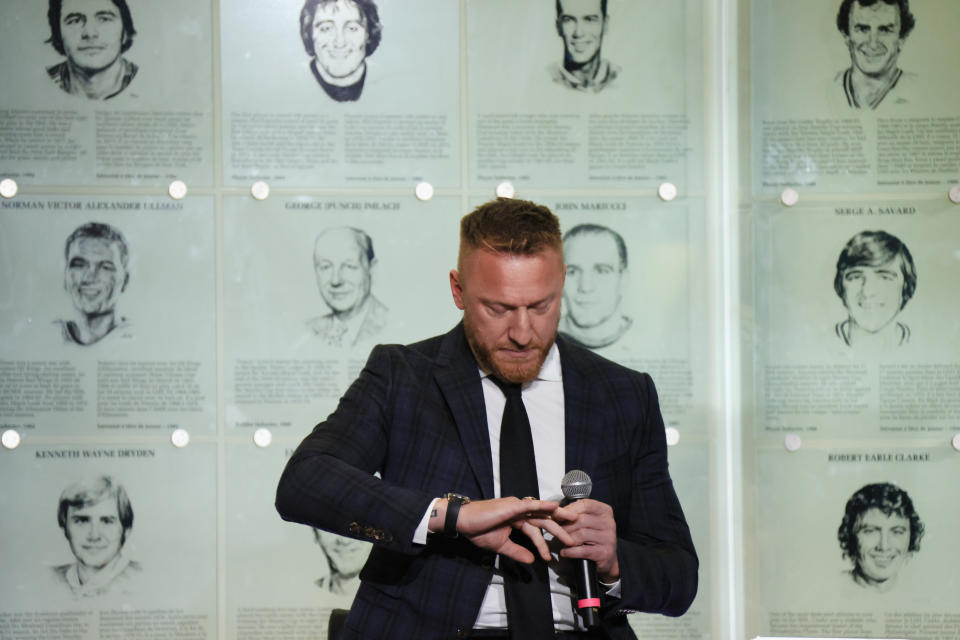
point(106, 93)
point(312, 284)
point(583, 99)
point(856, 541)
point(634, 292)
point(107, 315)
point(341, 96)
point(857, 319)
point(111, 540)
point(853, 101)
point(282, 578)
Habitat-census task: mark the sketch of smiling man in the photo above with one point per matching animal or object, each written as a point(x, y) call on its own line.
point(874, 32)
point(95, 275)
point(875, 278)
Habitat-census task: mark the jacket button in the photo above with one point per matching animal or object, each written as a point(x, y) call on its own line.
point(463, 633)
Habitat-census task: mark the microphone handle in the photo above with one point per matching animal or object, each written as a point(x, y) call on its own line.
point(589, 602)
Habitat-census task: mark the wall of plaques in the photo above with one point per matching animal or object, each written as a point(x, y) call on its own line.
point(191, 190)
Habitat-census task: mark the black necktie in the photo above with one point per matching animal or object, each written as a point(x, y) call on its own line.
point(527, 587)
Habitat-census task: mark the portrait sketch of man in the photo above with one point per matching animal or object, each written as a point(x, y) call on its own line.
point(344, 558)
point(95, 275)
point(343, 261)
point(339, 35)
point(596, 258)
point(874, 32)
point(581, 24)
point(880, 531)
point(875, 278)
point(93, 35)
point(96, 518)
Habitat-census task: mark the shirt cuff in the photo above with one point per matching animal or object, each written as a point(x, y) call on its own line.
point(613, 589)
point(422, 530)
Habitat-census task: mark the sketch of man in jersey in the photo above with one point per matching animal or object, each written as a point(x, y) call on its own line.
point(596, 258)
point(95, 275)
point(93, 35)
point(96, 518)
point(880, 531)
point(874, 32)
point(344, 558)
point(339, 35)
point(582, 24)
point(343, 260)
point(875, 279)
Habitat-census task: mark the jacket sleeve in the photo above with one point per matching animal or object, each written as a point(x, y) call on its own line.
point(658, 563)
point(329, 481)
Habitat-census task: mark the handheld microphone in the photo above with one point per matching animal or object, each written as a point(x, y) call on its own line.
point(576, 485)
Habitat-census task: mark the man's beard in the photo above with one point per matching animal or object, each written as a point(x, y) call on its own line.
point(516, 373)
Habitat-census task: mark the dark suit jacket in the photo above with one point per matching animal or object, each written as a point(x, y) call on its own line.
point(416, 414)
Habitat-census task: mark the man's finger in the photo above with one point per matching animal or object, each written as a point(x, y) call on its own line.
point(536, 536)
point(554, 528)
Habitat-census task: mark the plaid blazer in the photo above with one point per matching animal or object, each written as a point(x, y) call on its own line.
point(416, 415)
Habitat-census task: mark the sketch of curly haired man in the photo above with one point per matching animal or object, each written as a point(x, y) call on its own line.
point(879, 533)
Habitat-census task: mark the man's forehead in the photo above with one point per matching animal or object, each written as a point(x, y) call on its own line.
point(334, 7)
point(89, 7)
point(880, 12)
point(88, 245)
point(104, 506)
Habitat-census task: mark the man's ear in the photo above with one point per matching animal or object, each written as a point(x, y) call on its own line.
point(126, 281)
point(456, 289)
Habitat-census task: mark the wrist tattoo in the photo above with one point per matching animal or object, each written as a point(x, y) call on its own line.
point(433, 514)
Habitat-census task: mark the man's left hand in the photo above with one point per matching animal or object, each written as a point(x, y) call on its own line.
point(595, 535)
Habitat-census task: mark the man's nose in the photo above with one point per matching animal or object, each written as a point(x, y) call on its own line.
point(586, 282)
point(882, 541)
point(520, 332)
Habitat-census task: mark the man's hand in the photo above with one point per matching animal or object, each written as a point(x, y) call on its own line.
point(594, 533)
point(488, 523)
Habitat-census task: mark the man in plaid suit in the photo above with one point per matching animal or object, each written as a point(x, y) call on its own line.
point(426, 418)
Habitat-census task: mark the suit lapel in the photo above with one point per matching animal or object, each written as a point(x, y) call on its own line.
point(458, 377)
point(579, 451)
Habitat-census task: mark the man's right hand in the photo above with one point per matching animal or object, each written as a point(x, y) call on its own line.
point(488, 524)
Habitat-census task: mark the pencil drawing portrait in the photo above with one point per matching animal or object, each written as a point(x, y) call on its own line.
point(581, 25)
point(92, 35)
point(875, 278)
point(874, 32)
point(96, 518)
point(339, 36)
point(95, 275)
point(879, 533)
point(343, 262)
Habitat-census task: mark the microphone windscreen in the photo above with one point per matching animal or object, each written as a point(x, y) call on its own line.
point(576, 485)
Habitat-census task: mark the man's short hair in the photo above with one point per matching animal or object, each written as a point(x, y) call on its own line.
point(907, 20)
point(102, 231)
point(603, 8)
point(368, 12)
point(597, 229)
point(889, 499)
point(55, 8)
point(510, 226)
point(86, 493)
point(872, 249)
